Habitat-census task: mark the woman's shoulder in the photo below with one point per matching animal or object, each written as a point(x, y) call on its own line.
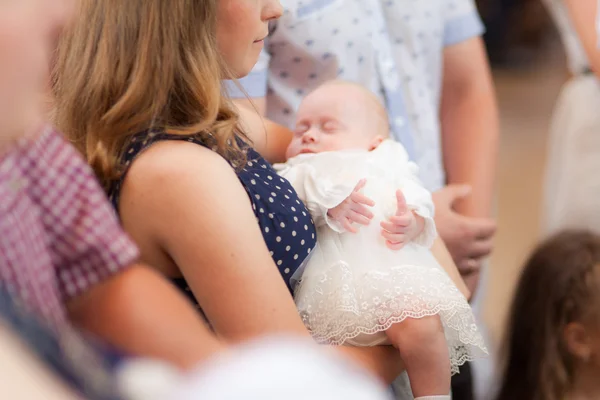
point(171, 158)
point(176, 167)
point(176, 181)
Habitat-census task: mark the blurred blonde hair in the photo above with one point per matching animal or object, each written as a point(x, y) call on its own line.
point(128, 66)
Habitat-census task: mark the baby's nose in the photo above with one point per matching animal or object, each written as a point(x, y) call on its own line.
point(309, 137)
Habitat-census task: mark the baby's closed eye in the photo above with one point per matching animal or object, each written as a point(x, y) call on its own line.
point(330, 126)
point(301, 128)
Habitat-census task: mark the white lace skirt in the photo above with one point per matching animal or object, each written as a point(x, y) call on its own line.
point(572, 186)
point(351, 293)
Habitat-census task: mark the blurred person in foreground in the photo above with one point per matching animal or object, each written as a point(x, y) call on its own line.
point(63, 255)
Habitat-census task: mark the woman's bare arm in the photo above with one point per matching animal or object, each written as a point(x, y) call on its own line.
point(139, 312)
point(190, 201)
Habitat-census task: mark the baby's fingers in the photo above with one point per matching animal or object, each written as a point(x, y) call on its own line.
point(347, 224)
point(359, 218)
point(392, 228)
point(361, 184)
point(394, 238)
point(362, 210)
point(361, 199)
point(403, 220)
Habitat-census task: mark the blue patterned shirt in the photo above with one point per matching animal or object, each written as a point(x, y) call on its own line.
point(393, 47)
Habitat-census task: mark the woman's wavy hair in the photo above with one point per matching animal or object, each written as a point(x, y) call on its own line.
point(128, 66)
point(558, 286)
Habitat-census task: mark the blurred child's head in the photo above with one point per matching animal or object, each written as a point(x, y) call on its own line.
point(28, 32)
point(554, 327)
point(339, 116)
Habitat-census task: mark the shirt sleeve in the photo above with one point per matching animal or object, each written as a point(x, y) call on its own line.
point(88, 244)
point(462, 21)
point(318, 193)
point(418, 198)
point(254, 84)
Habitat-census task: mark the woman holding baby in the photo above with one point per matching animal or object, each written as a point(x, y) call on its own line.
point(189, 184)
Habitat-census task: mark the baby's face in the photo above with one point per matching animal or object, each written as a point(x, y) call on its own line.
point(332, 118)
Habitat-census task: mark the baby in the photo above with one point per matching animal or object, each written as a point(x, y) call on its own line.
point(372, 279)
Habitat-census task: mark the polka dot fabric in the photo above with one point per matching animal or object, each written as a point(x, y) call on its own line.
point(285, 223)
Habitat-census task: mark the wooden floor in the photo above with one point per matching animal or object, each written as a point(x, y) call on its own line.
point(526, 100)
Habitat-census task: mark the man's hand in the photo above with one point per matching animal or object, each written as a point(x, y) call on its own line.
point(403, 227)
point(353, 210)
point(469, 240)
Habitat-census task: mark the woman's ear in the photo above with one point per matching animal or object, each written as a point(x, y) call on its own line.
point(377, 140)
point(578, 341)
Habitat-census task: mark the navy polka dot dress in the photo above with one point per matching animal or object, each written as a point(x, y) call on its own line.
point(286, 225)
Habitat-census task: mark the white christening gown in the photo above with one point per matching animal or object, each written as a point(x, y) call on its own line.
point(353, 287)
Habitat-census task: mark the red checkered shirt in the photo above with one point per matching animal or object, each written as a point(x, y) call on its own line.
point(58, 233)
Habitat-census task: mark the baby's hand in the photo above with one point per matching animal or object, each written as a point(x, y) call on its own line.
point(353, 209)
point(402, 227)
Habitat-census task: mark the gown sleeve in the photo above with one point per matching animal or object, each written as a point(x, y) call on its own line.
point(418, 199)
point(318, 192)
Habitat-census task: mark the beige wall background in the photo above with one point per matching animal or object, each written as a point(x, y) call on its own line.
point(526, 99)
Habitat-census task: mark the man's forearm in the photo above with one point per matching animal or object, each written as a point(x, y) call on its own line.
point(470, 143)
point(138, 312)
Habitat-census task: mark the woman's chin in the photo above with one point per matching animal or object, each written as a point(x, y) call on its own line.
point(244, 68)
point(242, 72)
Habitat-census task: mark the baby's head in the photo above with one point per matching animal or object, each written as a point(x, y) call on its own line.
point(339, 116)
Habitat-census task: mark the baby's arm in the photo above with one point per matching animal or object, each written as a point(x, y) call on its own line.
point(418, 225)
point(329, 203)
point(353, 209)
point(402, 227)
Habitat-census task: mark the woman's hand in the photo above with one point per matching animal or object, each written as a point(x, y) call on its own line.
point(355, 209)
point(403, 227)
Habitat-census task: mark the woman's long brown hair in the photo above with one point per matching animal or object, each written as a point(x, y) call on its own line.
point(127, 66)
point(558, 283)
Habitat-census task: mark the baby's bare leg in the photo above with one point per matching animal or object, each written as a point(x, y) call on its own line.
point(424, 350)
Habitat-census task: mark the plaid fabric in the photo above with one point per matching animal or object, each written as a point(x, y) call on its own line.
point(58, 233)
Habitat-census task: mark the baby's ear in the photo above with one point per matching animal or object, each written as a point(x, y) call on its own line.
point(377, 140)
